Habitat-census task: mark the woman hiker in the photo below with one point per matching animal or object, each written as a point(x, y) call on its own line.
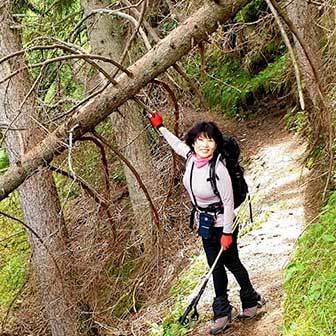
point(203, 143)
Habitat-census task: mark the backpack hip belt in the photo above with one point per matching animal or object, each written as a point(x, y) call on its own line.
point(215, 208)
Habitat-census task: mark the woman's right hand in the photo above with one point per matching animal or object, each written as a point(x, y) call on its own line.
point(156, 120)
point(226, 241)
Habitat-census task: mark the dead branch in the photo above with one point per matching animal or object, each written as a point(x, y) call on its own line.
point(176, 66)
point(99, 11)
point(82, 102)
point(91, 192)
point(20, 110)
point(104, 161)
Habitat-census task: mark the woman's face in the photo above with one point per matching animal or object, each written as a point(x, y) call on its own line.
point(204, 146)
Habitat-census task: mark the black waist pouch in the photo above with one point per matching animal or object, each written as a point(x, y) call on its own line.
point(206, 224)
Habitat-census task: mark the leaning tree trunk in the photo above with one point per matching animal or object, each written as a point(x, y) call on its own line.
point(304, 17)
point(38, 195)
point(107, 38)
point(166, 53)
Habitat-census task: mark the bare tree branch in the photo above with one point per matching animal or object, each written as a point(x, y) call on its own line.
point(176, 66)
point(99, 11)
point(91, 192)
point(82, 102)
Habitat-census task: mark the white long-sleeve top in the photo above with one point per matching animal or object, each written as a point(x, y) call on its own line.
point(201, 188)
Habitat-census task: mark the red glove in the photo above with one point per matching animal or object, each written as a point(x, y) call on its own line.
point(156, 120)
point(226, 240)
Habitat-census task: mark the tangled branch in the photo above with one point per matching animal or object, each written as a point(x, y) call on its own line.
point(135, 173)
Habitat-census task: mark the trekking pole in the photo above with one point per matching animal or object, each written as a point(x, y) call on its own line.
point(250, 207)
point(184, 319)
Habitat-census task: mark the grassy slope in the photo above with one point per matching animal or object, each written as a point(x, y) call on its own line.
point(310, 306)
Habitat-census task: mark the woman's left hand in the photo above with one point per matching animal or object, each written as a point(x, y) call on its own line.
point(226, 240)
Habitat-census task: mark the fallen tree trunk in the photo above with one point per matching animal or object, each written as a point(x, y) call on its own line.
point(169, 50)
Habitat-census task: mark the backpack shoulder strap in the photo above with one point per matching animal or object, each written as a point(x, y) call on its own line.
point(212, 174)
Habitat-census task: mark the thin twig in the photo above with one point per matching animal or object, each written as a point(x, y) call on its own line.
point(20, 110)
point(67, 57)
point(90, 190)
point(96, 93)
point(98, 11)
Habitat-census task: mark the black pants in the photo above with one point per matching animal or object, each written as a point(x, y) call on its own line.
point(229, 259)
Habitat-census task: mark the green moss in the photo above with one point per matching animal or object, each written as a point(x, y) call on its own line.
point(310, 281)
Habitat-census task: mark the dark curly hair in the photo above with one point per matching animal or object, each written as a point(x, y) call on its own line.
point(209, 129)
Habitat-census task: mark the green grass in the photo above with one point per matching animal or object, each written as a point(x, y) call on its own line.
point(14, 252)
point(310, 281)
point(180, 293)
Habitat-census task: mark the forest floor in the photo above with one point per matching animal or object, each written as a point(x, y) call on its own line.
point(277, 179)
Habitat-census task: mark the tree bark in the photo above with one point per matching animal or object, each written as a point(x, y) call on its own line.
point(155, 62)
point(107, 39)
point(303, 16)
point(38, 195)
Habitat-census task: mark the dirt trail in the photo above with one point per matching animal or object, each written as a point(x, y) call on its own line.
point(276, 178)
